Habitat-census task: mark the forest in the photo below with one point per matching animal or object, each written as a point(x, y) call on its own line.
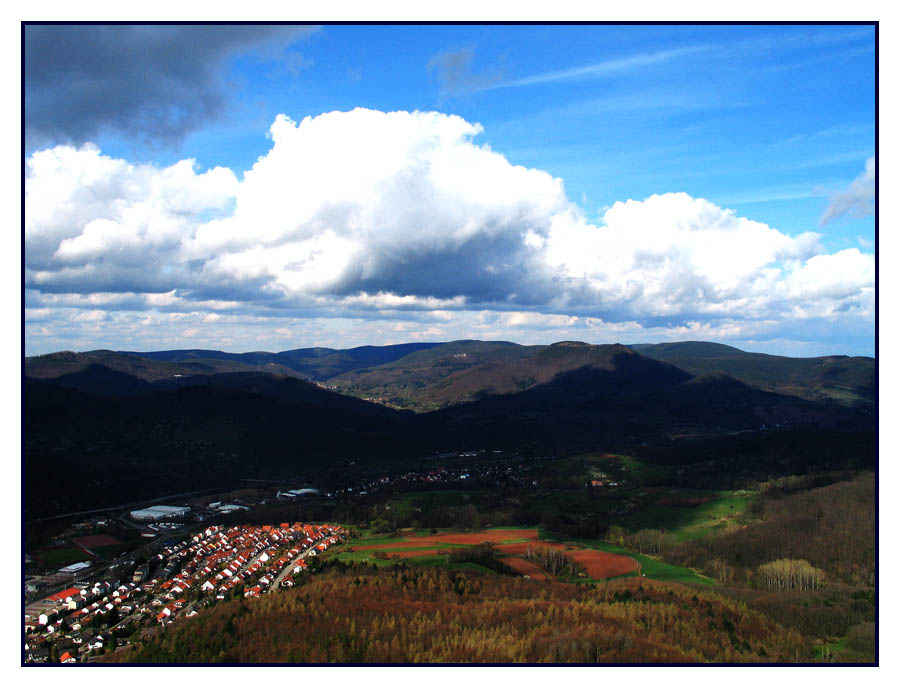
point(406, 614)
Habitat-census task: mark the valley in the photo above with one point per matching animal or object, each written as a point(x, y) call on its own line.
point(593, 474)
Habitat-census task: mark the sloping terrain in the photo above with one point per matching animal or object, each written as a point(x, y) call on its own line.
point(111, 450)
point(466, 371)
point(433, 378)
point(433, 615)
point(82, 367)
point(847, 379)
point(115, 433)
point(315, 363)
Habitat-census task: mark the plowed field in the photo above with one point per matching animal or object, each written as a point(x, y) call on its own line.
point(597, 564)
point(525, 567)
point(522, 547)
point(495, 536)
point(603, 564)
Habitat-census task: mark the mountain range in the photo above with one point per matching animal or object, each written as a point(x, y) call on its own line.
point(430, 376)
point(128, 424)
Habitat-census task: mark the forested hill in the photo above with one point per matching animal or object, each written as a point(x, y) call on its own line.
point(316, 363)
point(436, 615)
point(847, 379)
point(427, 376)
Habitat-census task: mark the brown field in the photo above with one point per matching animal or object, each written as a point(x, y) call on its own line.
point(597, 564)
point(603, 564)
point(410, 553)
point(495, 536)
point(527, 568)
point(396, 546)
point(99, 540)
point(522, 547)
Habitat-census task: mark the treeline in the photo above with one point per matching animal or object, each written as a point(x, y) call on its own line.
point(790, 574)
point(409, 615)
point(555, 561)
point(829, 612)
point(484, 555)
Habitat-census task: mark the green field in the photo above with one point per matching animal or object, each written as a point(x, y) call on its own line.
point(689, 522)
point(359, 557)
point(61, 556)
point(651, 568)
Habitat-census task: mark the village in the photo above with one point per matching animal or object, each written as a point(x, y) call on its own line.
point(108, 604)
point(91, 618)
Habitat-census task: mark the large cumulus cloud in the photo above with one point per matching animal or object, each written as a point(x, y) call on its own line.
point(372, 214)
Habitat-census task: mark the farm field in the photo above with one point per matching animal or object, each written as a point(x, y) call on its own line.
point(509, 543)
point(689, 514)
point(527, 568)
point(657, 570)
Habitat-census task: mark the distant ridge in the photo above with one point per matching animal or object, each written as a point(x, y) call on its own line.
point(845, 379)
point(315, 363)
point(425, 376)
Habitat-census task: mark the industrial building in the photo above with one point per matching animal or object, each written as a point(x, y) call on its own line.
point(160, 512)
point(229, 508)
point(303, 492)
point(75, 568)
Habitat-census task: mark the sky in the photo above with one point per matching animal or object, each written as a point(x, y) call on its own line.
point(250, 188)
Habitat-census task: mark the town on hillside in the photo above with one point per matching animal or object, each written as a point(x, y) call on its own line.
point(93, 617)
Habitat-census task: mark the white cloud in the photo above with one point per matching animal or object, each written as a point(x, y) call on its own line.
point(366, 214)
point(858, 200)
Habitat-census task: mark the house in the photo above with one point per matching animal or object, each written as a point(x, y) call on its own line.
point(67, 658)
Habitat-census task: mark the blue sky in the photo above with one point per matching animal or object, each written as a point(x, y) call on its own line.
point(534, 183)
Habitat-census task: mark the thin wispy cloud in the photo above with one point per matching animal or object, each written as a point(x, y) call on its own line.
point(857, 200)
point(768, 196)
point(837, 131)
point(615, 67)
point(454, 70)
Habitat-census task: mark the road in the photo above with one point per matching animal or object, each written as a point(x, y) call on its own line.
point(288, 569)
point(156, 500)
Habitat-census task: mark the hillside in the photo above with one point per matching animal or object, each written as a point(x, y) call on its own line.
point(847, 379)
point(82, 367)
point(317, 363)
point(424, 380)
point(633, 397)
point(466, 371)
point(428, 615)
point(145, 431)
point(116, 449)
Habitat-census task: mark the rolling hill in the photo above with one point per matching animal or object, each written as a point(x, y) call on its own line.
point(136, 425)
point(847, 379)
point(315, 363)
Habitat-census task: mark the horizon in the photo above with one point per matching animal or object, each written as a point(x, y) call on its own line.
point(435, 343)
point(254, 187)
